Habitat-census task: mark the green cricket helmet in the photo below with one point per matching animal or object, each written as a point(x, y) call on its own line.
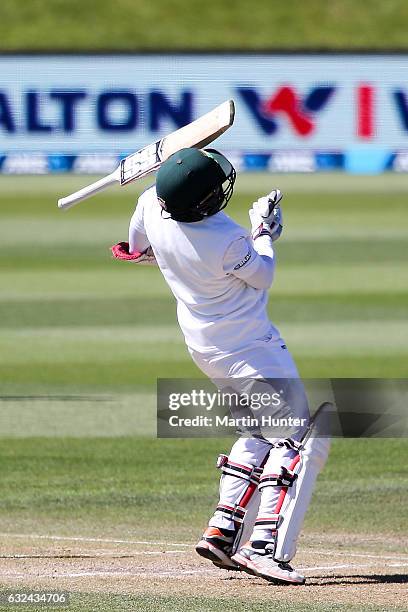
point(195, 183)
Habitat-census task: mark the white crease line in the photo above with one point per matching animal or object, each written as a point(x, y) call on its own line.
point(351, 554)
point(112, 574)
point(80, 539)
point(164, 574)
point(168, 574)
point(154, 543)
point(112, 555)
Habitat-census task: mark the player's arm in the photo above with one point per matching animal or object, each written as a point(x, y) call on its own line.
point(254, 260)
point(242, 260)
point(138, 240)
point(138, 248)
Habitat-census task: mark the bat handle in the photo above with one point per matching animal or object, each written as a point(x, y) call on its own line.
point(276, 198)
point(87, 191)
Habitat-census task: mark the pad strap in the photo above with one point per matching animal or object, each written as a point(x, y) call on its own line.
point(286, 478)
point(244, 471)
point(235, 513)
point(290, 443)
point(270, 521)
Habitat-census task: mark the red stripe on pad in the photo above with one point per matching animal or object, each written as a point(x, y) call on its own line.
point(284, 490)
point(246, 498)
point(244, 467)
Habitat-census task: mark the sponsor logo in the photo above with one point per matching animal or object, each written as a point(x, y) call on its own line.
point(400, 162)
point(292, 161)
point(287, 104)
point(114, 110)
point(244, 261)
point(301, 112)
point(24, 163)
point(95, 163)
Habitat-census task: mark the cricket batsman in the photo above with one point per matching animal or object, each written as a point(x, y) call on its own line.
point(220, 274)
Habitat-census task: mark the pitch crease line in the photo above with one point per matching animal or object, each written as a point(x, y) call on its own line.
point(82, 539)
point(397, 557)
point(105, 555)
point(113, 574)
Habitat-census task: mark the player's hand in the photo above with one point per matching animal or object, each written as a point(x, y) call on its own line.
point(121, 251)
point(266, 216)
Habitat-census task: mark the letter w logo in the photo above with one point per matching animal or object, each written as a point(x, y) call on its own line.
point(299, 113)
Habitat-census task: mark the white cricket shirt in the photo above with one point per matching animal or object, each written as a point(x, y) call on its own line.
point(219, 280)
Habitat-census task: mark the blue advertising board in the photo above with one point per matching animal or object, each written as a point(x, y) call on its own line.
point(307, 112)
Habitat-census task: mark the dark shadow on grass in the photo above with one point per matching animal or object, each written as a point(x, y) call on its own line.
point(313, 581)
point(357, 579)
point(58, 398)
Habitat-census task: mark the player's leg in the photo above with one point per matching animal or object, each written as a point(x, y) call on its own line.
point(234, 517)
point(238, 496)
point(257, 556)
point(276, 546)
point(286, 487)
point(289, 472)
point(240, 471)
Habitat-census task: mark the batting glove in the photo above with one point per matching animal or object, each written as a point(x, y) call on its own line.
point(266, 216)
point(121, 251)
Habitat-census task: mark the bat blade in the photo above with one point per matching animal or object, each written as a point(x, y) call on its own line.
point(199, 133)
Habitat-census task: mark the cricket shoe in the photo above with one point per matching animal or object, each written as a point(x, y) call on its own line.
point(216, 545)
point(257, 558)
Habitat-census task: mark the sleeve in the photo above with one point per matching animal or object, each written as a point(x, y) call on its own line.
point(138, 240)
point(252, 263)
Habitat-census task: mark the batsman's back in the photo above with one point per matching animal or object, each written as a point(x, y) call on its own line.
point(214, 308)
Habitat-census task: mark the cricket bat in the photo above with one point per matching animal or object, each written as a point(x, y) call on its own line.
point(199, 133)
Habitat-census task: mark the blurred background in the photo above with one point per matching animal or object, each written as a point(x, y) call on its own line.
point(321, 112)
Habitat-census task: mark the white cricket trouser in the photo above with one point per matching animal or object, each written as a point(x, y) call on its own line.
point(267, 359)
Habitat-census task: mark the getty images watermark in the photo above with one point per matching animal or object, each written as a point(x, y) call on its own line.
point(281, 408)
point(213, 401)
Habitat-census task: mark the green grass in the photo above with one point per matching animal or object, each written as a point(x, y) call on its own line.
point(137, 25)
point(73, 320)
point(101, 484)
point(84, 338)
point(179, 603)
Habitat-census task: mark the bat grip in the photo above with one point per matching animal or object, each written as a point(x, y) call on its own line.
point(87, 191)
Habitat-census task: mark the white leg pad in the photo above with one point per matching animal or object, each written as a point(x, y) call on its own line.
point(295, 499)
point(239, 482)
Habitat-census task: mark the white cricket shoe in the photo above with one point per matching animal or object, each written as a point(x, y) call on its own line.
point(257, 558)
point(216, 545)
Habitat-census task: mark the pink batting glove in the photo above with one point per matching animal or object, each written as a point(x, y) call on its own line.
point(121, 251)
